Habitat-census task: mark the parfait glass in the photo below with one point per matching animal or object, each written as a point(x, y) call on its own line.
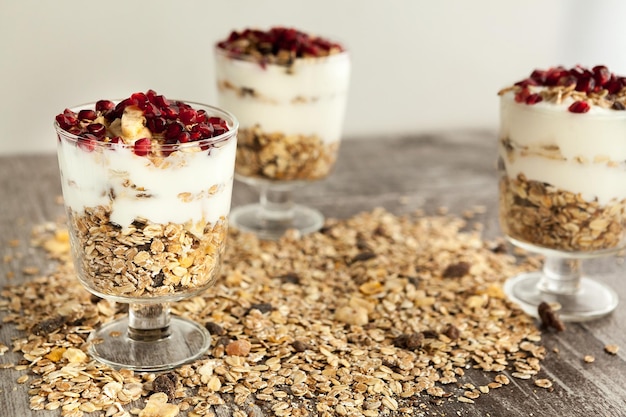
point(291, 118)
point(562, 195)
point(148, 228)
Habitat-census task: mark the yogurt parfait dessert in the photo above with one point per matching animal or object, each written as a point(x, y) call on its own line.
point(147, 186)
point(289, 91)
point(562, 150)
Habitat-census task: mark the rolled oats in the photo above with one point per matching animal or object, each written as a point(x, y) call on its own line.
point(542, 215)
point(277, 156)
point(146, 259)
point(282, 298)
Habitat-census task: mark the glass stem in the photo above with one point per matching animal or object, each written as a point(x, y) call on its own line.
point(277, 205)
point(148, 322)
point(561, 275)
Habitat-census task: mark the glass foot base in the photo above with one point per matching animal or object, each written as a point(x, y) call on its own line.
point(248, 219)
point(593, 299)
point(111, 345)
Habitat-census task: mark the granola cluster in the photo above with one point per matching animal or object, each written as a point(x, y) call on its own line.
point(278, 45)
point(282, 157)
point(540, 214)
point(146, 259)
point(584, 86)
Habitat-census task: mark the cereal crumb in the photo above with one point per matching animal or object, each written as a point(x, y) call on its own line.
point(611, 348)
point(589, 358)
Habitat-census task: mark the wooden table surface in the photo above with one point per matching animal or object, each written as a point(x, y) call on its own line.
point(454, 170)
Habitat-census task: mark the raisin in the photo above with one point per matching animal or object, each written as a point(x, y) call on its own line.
point(48, 326)
point(214, 328)
point(262, 307)
point(430, 334)
point(166, 383)
point(363, 256)
point(456, 270)
point(300, 346)
point(549, 318)
point(290, 278)
point(411, 341)
point(452, 332)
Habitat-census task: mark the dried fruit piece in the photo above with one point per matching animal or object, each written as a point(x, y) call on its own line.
point(456, 270)
point(238, 348)
point(549, 318)
point(48, 326)
point(411, 341)
point(166, 383)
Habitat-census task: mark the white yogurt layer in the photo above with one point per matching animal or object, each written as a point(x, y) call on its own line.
point(580, 153)
point(308, 99)
point(102, 178)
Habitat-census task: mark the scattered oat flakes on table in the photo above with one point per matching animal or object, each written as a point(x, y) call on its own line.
point(430, 309)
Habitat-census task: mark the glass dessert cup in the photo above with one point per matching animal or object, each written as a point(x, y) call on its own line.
point(148, 230)
point(560, 196)
point(291, 118)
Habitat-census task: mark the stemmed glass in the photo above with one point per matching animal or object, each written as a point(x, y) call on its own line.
point(148, 225)
point(291, 118)
point(561, 195)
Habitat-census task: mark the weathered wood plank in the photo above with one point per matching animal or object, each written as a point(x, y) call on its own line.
point(401, 174)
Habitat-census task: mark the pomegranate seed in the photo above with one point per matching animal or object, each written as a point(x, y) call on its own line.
point(205, 130)
point(169, 113)
point(219, 130)
point(151, 94)
point(585, 84)
point(173, 130)
point(187, 115)
point(601, 74)
point(567, 80)
point(201, 116)
point(142, 146)
point(554, 75)
point(97, 129)
point(184, 137)
point(522, 95)
point(87, 114)
point(116, 139)
point(140, 99)
point(119, 108)
point(527, 82)
point(161, 102)
point(66, 122)
point(539, 76)
point(156, 124)
point(579, 107)
point(533, 99)
point(151, 110)
point(104, 105)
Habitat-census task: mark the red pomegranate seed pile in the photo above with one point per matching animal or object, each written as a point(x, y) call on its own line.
point(279, 45)
point(169, 122)
point(597, 81)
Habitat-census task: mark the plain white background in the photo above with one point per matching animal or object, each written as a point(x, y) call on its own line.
point(418, 66)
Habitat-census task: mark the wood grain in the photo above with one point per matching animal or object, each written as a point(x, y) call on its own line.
point(454, 170)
